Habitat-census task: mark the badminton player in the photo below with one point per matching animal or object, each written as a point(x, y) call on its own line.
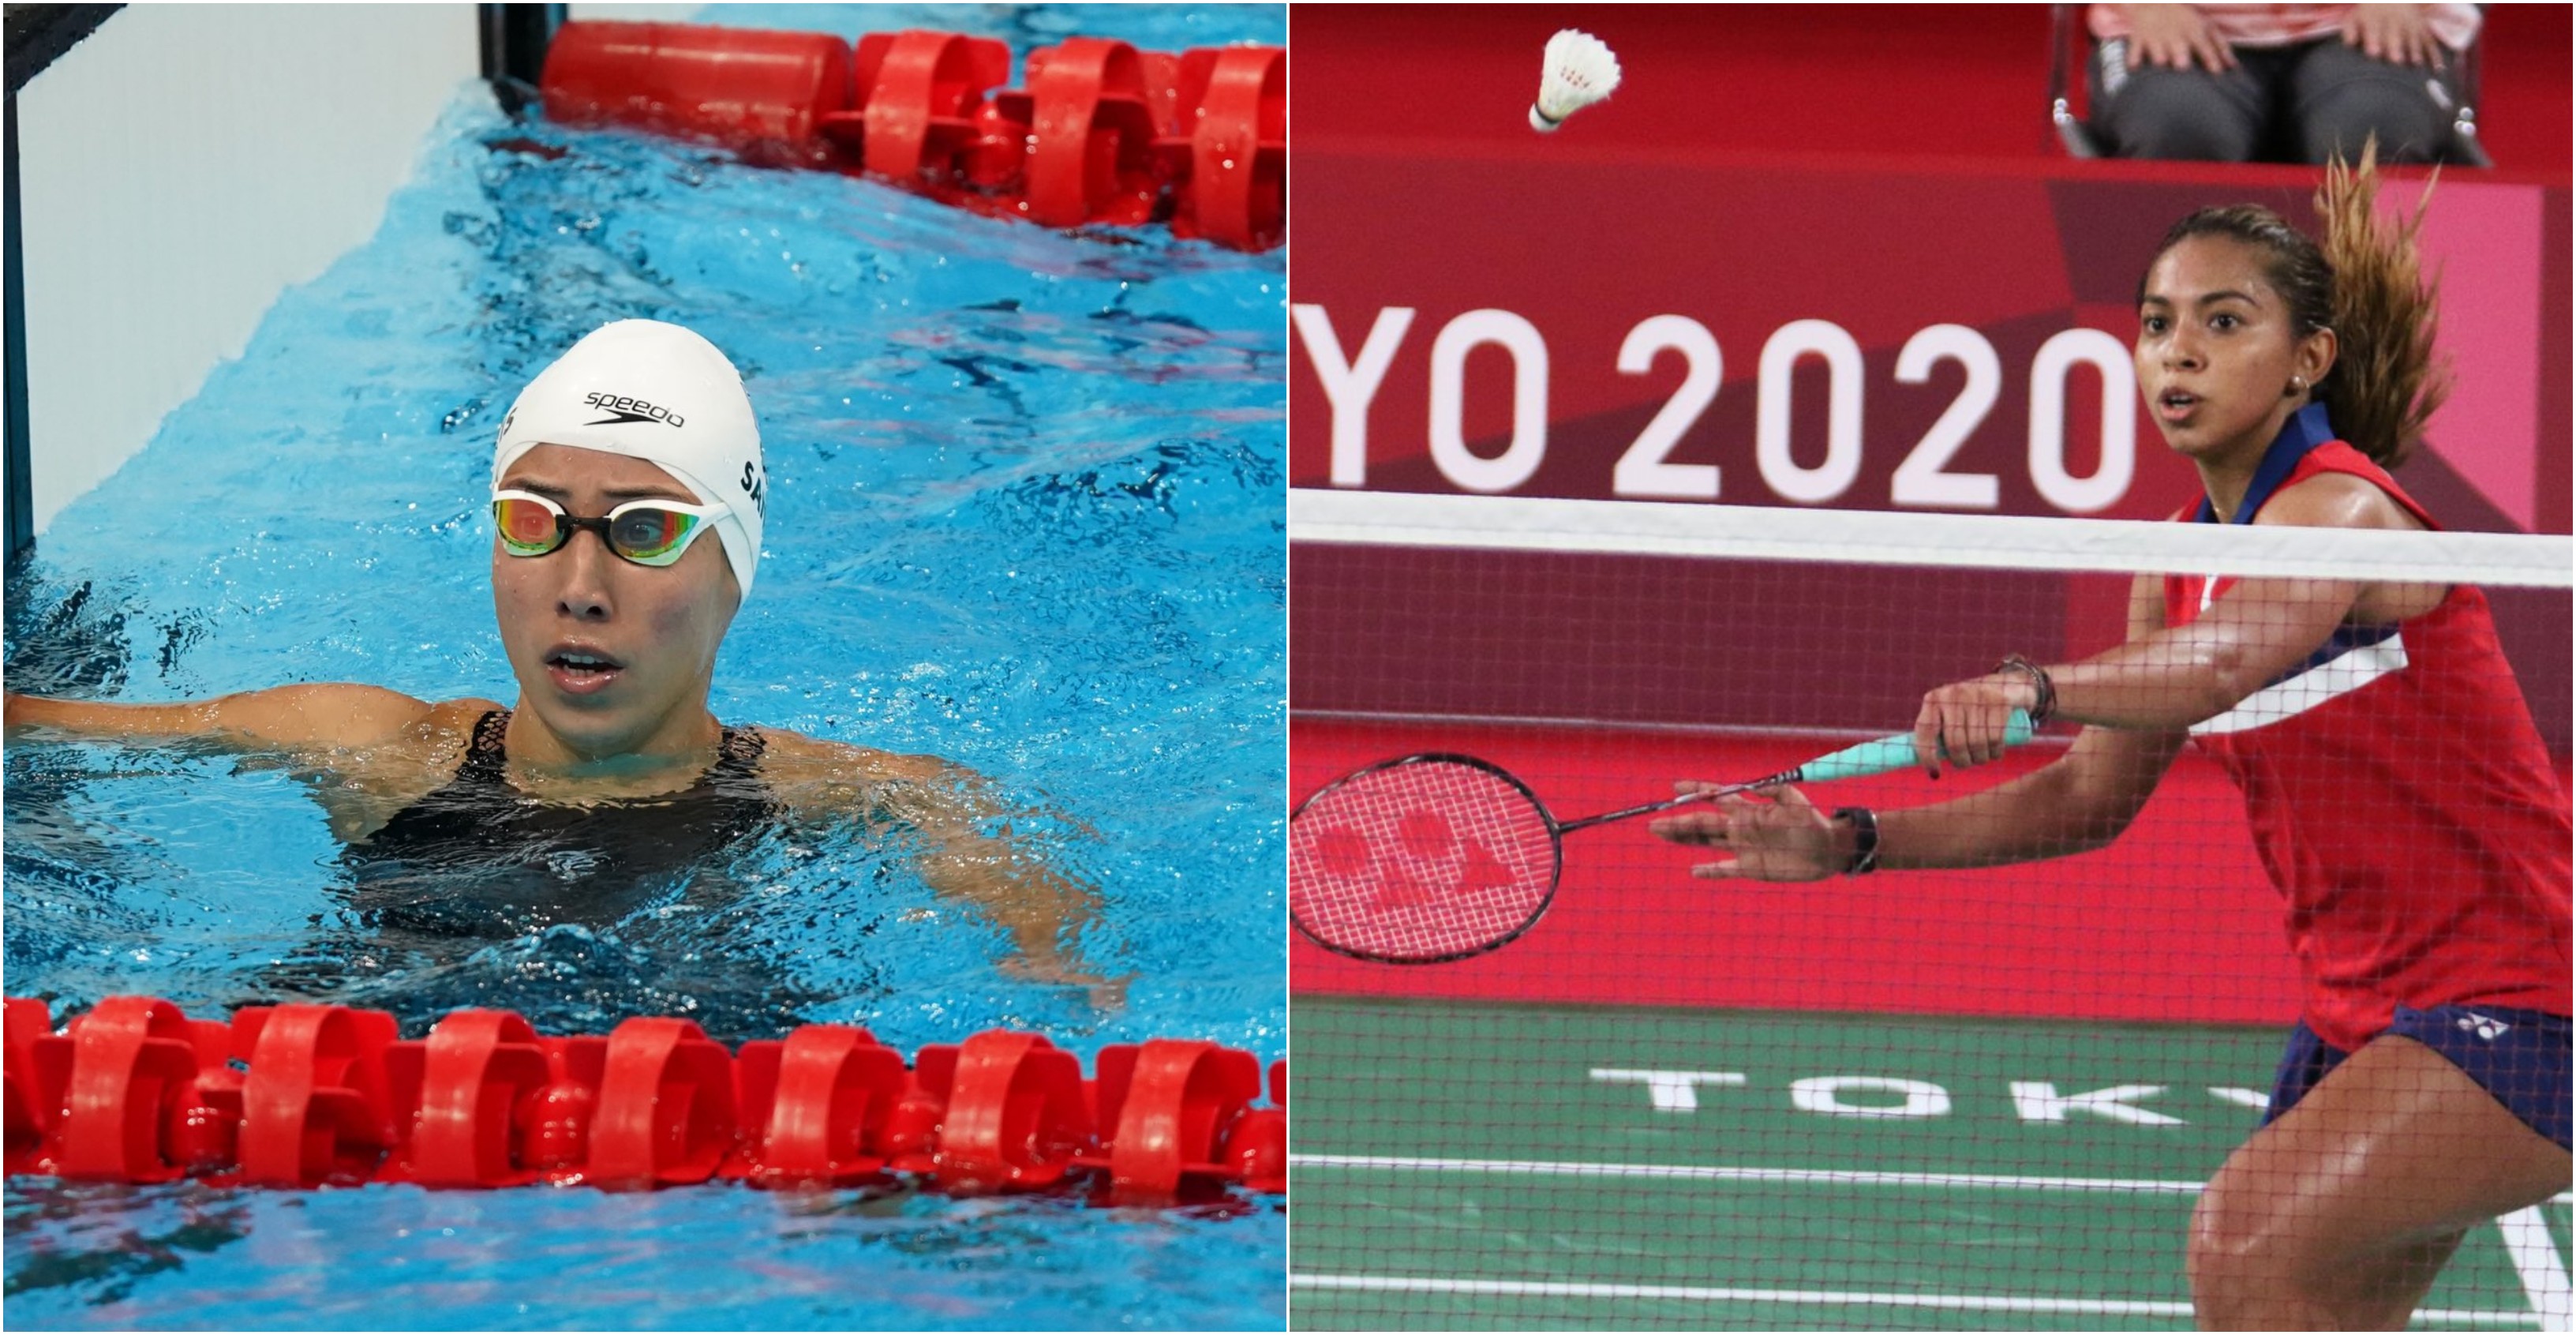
point(2413, 821)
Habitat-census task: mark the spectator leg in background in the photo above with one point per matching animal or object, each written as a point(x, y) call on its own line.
point(2340, 97)
point(2152, 112)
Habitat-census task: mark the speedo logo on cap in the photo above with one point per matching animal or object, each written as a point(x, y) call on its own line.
point(622, 409)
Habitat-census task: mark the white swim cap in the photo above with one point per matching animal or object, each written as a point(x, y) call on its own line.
point(660, 393)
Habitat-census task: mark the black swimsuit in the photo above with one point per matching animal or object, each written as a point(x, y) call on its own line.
point(480, 858)
point(575, 916)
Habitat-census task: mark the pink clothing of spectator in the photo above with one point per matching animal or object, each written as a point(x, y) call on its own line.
point(2284, 83)
point(2454, 26)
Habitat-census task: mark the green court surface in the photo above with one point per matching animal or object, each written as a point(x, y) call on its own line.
point(1486, 1166)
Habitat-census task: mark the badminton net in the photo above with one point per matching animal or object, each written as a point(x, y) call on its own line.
point(1918, 1099)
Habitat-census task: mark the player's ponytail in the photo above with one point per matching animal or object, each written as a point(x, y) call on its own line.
point(2366, 284)
point(2385, 384)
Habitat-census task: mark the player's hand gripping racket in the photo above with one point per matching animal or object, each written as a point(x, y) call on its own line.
point(1439, 857)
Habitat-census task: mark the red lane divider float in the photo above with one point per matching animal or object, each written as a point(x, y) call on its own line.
point(1103, 132)
point(307, 1096)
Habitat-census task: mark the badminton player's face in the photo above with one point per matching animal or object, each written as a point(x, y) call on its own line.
point(2217, 348)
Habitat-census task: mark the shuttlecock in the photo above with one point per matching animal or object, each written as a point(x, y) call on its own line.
point(1579, 71)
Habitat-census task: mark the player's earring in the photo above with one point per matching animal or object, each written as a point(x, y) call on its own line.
point(2298, 386)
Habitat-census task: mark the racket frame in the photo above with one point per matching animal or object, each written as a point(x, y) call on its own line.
point(1879, 756)
point(1555, 849)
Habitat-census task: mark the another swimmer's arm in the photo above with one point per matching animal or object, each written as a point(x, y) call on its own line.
point(281, 717)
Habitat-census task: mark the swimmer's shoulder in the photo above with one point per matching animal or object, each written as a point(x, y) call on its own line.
point(448, 725)
point(383, 749)
point(792, 759)
point(835, 781)
point(352, 715)
point(381, 740)
point(307, 716)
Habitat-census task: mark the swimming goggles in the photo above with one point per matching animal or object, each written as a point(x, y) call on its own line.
point(648, 533)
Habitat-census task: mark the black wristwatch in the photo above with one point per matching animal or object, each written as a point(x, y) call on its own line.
point(1864, 823)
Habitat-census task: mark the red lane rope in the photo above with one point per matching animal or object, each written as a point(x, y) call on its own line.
point(1103, 133)
point(306, 1096)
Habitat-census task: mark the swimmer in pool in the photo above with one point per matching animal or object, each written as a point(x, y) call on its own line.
point(613, 465)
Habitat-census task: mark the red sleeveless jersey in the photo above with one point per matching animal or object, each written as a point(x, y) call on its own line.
point(2404, 804)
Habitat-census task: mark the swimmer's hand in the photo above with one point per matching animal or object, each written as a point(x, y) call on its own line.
point(1108, 996)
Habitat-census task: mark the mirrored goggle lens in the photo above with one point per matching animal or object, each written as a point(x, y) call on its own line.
point(527, 527)
point(650, 535)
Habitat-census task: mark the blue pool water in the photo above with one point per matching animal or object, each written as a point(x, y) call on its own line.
point(1025, 514)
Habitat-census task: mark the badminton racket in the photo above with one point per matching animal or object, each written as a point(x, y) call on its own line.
point(1436, 857)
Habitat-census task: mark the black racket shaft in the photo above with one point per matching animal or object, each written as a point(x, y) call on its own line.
point(1786, 776)
point(1880, 755)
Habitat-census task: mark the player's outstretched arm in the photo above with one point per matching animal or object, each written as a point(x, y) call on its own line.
point(279, 718)
point(2079, 802)
point(2074, 804)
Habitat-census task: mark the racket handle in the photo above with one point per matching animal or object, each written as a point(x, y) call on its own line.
point(1888, 755)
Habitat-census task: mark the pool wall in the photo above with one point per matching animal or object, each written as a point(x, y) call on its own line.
point(181, 167)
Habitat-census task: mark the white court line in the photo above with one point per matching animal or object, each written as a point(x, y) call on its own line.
point(2526, 1233)
point(1826, 1297)
point(2535, 1258)
point(1687, 1173)
point(1683, 1172)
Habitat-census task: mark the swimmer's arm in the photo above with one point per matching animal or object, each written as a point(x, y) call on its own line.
point(1042, 909)
point(279, 718)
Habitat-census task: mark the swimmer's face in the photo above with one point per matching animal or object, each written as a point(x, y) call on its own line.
point(613, 657)
point(2218, 347)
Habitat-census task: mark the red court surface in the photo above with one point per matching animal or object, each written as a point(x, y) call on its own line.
point(2175, 922)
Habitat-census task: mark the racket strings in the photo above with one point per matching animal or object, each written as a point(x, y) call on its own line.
point(1421, 860)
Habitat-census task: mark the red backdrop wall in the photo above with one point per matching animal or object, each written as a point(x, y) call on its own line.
point(1793, 176)
point(1943, 80)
